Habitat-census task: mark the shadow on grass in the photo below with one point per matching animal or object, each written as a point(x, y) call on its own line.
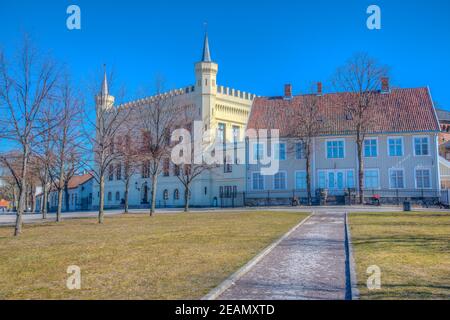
point(410, 292)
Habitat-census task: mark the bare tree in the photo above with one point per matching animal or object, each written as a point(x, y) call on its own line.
point(67, 142)
point(24, 88)
point(156, 120)
point(360, 80)
point(109, 121)
point(306, 125)
point(45, 153)
point(129, 157)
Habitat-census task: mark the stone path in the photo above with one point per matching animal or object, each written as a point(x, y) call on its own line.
point(309, 264)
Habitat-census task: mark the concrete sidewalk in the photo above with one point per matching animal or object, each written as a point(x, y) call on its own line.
point(309, 264)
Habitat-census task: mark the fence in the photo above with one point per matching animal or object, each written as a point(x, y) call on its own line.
point(425, 197)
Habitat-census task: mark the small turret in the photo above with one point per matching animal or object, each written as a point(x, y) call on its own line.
point(103, 100)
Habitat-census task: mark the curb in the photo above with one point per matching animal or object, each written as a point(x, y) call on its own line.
point(231, 280)
point(351, 261)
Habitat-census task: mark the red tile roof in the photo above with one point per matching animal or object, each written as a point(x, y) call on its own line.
point(401, 110)
point(76, 181)
point(4, 204)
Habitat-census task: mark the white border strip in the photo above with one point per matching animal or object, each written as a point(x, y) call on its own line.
point(231, 280)
point(353, 278)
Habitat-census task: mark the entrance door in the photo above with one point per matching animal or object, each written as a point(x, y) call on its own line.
point(144, 199)
point(336, 180)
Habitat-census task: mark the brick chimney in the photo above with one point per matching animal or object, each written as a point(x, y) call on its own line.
point(385, 85)
point(288, 91)
point(319, 88)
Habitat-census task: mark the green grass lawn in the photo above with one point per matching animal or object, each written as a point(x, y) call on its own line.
point(169, 256)
point(412, 250)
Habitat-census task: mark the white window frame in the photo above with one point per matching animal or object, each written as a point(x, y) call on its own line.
point(415, 178)
point(378, 147)
point(263, 181)
point(333, 140)
point(295, 178)
point(276, 155)
point(255, 151)
point(404, 178)
point(414, 146)
point(379, 178)
point(403, 146)
point(285, 180)
point(303, 147)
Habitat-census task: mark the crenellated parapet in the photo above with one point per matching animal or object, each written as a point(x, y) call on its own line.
point(235, 93)
point(159, 97)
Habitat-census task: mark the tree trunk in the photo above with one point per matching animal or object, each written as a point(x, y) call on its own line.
point(33, 199)
point(308, 178)
point(27, 198)
point(66, 196)
point(127, 186)
point(44, 201)
point(20, 210)
point(22, 194)
point(186, 198)
point(45, 195)
point(60, 190)
point(360, 172)
point(59, 209)
point(101, 213)
point(153, 205)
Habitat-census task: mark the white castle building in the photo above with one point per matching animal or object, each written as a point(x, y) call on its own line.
point(224, 112)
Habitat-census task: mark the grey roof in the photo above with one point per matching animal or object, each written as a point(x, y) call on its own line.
point(206, 57)
point(443, 115)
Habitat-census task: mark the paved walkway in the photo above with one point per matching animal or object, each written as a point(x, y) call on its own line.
point(309, 264)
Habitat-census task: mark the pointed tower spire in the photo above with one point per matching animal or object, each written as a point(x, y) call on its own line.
point(104, 90)
point(206, 54)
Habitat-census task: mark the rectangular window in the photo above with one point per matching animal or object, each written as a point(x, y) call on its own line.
point(335, 149)
point(111, 172)
point(236, 134)
point(145, 169)
point(221, 132)
point(322, 180)
point(257, 181)
point(279, 182)
point(350, 179)
point(300, 180)
point(119, 171)
point(371, 148)
point(421, 146)
point(396, 179)
point(300, 151)
point(423, 178)
point(166, 167)
point(258, 151)
point(395, 146)
point(280, 151)
point(371, 179)
point(228, 165)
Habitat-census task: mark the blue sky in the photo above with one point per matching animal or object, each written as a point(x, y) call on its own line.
point(259, 45)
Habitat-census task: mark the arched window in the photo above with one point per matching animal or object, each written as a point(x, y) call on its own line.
point(176, 194)
point(166, 194)
point(109, 196)
point(117, 196)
